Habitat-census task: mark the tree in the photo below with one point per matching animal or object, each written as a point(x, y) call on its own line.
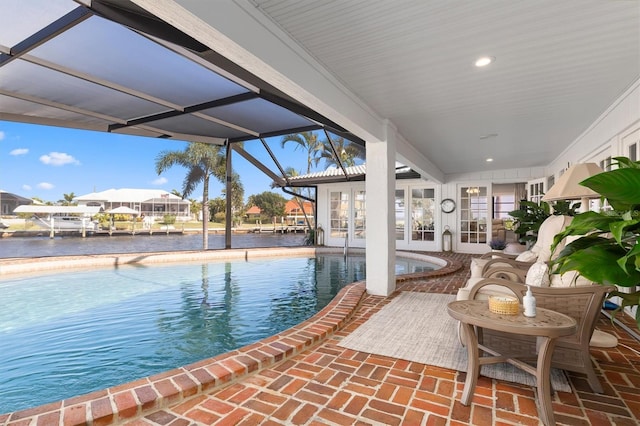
point(68, 199)
point(289, 172)
point(202, 161)
point(217, 205)
point(237, 196)
point(317, 150)
point(195, 207)
point(309, 142)
point(270, 203)
point(347, 151)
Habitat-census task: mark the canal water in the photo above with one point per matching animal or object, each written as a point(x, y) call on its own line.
point(29, 247)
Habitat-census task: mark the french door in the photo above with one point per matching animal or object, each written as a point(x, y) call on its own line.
point(473, 229)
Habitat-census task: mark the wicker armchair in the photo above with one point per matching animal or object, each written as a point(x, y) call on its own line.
point(583, 303)
point(541, 251)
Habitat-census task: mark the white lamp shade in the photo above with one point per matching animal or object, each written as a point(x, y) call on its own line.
point(568, 186)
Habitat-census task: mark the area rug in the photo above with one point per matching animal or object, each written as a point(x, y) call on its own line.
point(416, 327)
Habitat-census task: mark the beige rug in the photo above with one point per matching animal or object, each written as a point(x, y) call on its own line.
point(416, 327)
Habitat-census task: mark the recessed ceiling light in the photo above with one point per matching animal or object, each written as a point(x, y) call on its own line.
point(483, 61)
point(489, 136)
point(489, 160)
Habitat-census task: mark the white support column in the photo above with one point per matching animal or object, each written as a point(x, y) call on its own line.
point(380, 225)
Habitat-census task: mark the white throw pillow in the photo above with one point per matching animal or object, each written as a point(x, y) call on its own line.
point(527, 256)
point(569, 279)
point(476, 266)
point(538, 275)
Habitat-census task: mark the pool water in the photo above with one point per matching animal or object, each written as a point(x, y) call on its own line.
point(69, 334)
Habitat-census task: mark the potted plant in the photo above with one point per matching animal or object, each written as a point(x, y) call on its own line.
point(531, 215)
point(607, 250)
point(497, 244)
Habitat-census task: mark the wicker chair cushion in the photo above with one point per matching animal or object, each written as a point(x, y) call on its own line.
point(551, 226)
point(600, 339)
point(527, 256)
point(477, 264)
point(490, 290)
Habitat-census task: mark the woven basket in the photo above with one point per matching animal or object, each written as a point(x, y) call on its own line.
point(504, 305)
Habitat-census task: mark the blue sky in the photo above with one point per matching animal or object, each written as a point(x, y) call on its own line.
point(48, 162)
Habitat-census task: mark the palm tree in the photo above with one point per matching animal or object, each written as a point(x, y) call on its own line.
point(237, 196)
point(292, 172)
point(195, 206)
point(68, 199)
point(308, 141)
point(289, 172)
point(202, 161)
point(347, 151)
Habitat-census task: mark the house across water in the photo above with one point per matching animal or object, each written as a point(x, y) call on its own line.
point(154, 203)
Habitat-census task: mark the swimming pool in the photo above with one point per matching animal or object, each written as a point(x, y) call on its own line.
point(133, 321)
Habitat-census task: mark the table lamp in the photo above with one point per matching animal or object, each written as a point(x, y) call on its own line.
point(568, 186)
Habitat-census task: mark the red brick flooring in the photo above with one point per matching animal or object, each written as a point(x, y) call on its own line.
point(330, 385)
point(301, 377)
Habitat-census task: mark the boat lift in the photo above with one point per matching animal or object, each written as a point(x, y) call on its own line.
point(57, 212)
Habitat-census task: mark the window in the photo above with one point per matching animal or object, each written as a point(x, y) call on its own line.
point(633, 152)
point(606, 164)
point(502, 205)
point(536, 190)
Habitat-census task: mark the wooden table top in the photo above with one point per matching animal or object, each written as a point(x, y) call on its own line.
point(546, 322)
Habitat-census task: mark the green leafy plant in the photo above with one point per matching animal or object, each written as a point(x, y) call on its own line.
point(531, 215)
point(310, 239)
point(607, 250)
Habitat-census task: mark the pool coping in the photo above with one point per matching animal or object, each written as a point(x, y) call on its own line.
point(134, 399)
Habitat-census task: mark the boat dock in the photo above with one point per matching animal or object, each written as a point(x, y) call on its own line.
point(149, 232)
point(279, 229)
point(98, 233)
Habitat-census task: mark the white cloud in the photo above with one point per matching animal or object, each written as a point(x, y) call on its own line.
point(2, 135)
point(45, 185)
point(18, 151)
point(160, 181)
point(58, 159)
point(26, 187)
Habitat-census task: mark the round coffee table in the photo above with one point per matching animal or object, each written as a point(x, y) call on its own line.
point(547, 325)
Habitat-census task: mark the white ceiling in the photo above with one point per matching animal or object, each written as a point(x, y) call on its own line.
point(559, 65)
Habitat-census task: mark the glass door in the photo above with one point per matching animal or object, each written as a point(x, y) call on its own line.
point(339, 219)
point(359, 215)
point(422, 214)
point(474, 212)
point(400, 215)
